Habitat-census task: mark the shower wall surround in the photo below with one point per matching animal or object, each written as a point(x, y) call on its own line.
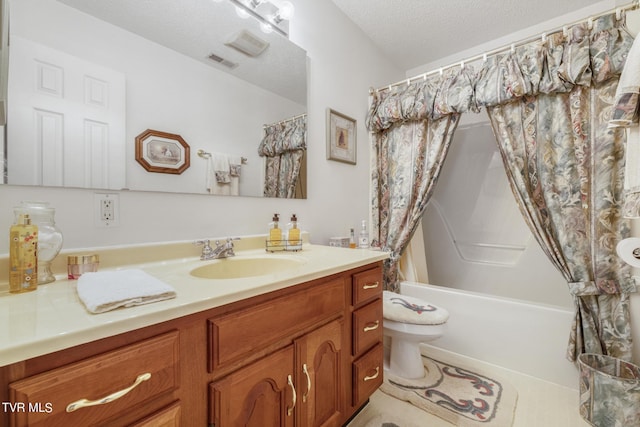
point(475, 237)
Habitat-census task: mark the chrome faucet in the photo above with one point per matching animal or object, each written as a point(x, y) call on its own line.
point(223, 250)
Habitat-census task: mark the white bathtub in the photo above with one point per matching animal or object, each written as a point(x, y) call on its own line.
point(517, 335)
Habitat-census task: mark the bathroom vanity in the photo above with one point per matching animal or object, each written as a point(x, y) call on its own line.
point(298, 348)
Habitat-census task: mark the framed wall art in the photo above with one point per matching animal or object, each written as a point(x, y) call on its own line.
point(162, 152)
point(341, 137)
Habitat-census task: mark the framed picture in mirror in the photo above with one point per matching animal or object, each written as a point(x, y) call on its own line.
point(341, 137)
point(162, 152)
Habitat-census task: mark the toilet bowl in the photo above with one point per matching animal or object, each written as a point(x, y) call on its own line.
point(409, 321)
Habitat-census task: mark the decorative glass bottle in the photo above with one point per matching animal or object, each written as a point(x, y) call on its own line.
point(49, 236)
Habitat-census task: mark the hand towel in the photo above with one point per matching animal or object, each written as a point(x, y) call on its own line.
point(625, 105)
point(107, 290)
point(631, 205)
point(221, 168)
point(235, 165)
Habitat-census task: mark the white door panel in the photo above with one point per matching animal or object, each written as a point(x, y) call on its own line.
point(66, 120)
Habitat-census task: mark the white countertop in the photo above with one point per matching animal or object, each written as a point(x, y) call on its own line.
point(53, 318)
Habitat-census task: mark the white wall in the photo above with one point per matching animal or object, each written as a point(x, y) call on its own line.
point(342, 65)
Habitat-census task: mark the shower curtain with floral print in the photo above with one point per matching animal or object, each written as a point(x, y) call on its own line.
point(283, 145)
point(412, 128)
point(549, 103)
point(549, 106)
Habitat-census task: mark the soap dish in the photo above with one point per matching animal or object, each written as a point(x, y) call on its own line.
point(282, 245)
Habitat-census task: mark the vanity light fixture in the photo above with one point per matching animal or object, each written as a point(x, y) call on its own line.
point(270, 16)
point(285, 12)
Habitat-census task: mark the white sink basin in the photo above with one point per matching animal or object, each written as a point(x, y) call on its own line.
point(236, 268)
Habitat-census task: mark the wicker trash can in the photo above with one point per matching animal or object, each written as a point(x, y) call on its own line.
point(609, 391)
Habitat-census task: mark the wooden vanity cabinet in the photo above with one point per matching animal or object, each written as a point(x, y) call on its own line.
point(241, 364)
point(367, 334)
point(301, 384)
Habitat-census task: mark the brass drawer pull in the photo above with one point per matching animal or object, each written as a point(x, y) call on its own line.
point(83, 403)
point(374, 376)
point(293, 389)
point(375, 326)
point(371, 285)
point(306, 372)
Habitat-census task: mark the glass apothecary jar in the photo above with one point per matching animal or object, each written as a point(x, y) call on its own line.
point(49, 236)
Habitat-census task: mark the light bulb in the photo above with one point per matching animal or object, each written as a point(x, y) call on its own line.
point(286, 10)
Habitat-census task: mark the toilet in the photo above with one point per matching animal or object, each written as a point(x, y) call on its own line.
point(409, 321)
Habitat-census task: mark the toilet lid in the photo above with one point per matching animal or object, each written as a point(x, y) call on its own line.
point(406, 309)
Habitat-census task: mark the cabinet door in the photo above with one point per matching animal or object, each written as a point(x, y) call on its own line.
point(320, 373)
point(167, 417)
point(259, 395)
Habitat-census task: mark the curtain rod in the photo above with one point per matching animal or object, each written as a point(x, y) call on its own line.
point(635, 4)
point(291, 119)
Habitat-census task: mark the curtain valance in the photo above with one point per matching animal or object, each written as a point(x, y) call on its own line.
point(582, 57)
point(284, 137)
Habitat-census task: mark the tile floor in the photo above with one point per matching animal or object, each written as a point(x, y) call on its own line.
point(540, 404)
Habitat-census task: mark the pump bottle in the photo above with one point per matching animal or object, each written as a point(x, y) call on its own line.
point(23, 256)
point(363, 241)
point(293, 237)
point(275, 242)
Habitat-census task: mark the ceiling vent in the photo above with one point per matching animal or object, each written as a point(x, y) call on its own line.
point(220, 60)
point(247, 43)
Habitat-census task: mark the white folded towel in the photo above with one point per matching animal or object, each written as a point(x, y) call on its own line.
point(107, 290)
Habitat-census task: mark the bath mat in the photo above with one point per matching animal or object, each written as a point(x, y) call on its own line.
point(461, 395)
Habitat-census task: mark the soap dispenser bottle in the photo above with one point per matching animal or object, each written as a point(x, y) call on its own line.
point(275, 234)
point(23, 256)
point(293, 237)
point(363, 241)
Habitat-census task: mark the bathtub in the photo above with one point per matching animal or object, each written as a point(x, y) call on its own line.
point(519, 335)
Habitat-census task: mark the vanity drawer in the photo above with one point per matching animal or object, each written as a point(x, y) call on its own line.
point(368, 374)
point(237, 335)
point(148, 369)
point(367, 285)
point(367, 326)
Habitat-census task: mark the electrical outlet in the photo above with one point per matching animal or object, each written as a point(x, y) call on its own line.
point(107, 209)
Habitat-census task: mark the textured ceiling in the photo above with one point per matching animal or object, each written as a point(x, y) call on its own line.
point(418, 32)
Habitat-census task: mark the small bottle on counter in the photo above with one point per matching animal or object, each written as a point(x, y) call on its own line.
point(352, 239)
point(77, 265)
point(23, 256)
point(363, 242)
point(293, 237)
point(275, 234)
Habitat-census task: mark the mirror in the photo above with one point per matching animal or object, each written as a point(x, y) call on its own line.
point(86, 78)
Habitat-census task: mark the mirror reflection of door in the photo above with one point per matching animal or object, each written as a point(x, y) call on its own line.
point(68, 129)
